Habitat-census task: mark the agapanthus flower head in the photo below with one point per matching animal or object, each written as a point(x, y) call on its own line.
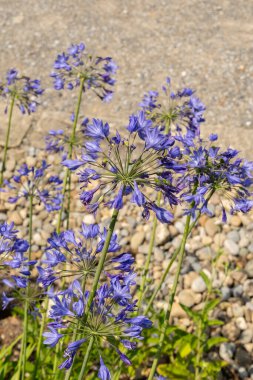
point(15, 267)
point(35, 182)
point(174, 110)
point(75, 256)
point(60, 140)
point(109, 321)
point(115, 166)
point(23, 89)
point(76, 65)
point(207, 169)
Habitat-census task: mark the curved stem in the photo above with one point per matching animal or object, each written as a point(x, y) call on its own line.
point(165, 273)
point(22, 359)
point(171, 299)
point(102, 259)
point(68, 373)
point(6, 145)
point(86, 358)
point(42, 327)
point(146, 267)
point(66, 180)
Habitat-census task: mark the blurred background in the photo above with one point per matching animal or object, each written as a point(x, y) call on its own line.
point(207, 45)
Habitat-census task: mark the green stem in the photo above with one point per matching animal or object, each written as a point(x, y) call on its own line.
point(165, 273)
point(42, 327)
point(86, 358)
point(146, 267)
point(152, 241)
point(102, 259)
point(22, 360)
point(67, 183)
point(171, 299)
point(198, 349)
point(68, 373)
point(6, 145)
point(66, 180)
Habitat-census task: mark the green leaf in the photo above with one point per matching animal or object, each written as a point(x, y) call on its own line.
point(191, 314)
point(185, 350)
point(211, 305)
point(206, 279)
point(215, 341)
point(215, 322)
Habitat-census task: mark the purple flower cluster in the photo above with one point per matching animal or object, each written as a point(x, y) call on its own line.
point(23, 89)
point(176, 110)
point(76, 65)
point(72, 257)
point(12, 257)
point(34, 182)
point(60, 140)
point(207, 169)
point(117, 167)
point(109, 320)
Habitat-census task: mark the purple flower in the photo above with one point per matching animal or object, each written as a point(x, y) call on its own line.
point(34, 182)
point(52, 337)
point(76, 256)
point(24, 90)
point(76, 65)
point(119, 169)
point(103, 372)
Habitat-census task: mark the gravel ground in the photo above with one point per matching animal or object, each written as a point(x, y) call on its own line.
point(201, 44)
point(204, 44)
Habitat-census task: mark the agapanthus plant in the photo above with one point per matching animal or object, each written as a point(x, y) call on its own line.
point(109, 321)
point(36, 183)
point(22, 91)
point(116, 166)
point(177, 110)
point(207, 169)
point(77, 66)
point(14, 265)
point(75, 256)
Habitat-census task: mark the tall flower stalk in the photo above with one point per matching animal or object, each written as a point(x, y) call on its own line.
point(22, 359)
point(17, 90)
point(67, 176)
point(171, 299)
point(6, 144)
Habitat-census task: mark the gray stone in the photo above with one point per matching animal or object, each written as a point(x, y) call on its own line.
point(198, 285)
point(249, 268)
point(248, 288)
point(241, 323)
point(234, 235)
point(231, 247)
point(227, 351)
point(225, 293)
point(237, 291)
point(231, 331)
point(246, 336)
point(250, 248)
point(243, 374)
